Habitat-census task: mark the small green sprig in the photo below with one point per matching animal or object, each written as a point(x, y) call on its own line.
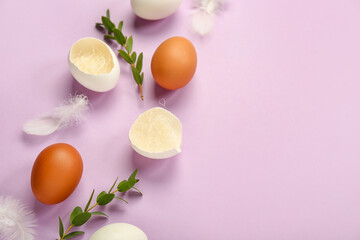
point(79, 216)
point(127, 53)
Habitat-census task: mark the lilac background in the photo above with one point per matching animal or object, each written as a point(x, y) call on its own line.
point(270, 121)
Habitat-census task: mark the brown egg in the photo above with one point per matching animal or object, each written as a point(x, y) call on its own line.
point(174, 62)
point(56, 173)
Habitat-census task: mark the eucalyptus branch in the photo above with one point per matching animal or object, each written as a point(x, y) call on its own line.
point(79, 217)
point(127, 53)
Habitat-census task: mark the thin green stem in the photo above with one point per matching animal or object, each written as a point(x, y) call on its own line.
point(92, 207)
point(62, 238)
point(133, 65)
point(113, 192)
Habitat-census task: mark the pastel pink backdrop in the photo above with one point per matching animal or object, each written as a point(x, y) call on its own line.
point(271, 120)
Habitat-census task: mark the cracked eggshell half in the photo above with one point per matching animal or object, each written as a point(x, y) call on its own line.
point(156, 133)
point(117, 231)
point(94, 64)
point(155, 9)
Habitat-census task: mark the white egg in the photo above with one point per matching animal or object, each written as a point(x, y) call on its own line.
point(155, 9)
point(119, 231)
point(94, 64)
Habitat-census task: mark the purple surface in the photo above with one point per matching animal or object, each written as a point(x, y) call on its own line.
point(270, 121)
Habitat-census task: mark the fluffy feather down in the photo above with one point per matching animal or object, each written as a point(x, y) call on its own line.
point(203, 17)
point(16, 220)
point(69, 113)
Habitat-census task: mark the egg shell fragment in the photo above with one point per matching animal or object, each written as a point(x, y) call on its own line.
point(119, 231)
point(155, 9)
point(56, 173)
point(94, 64)
point(174, 63)
point(156, 134)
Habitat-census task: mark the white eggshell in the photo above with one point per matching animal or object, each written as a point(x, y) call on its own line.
point(155, 9)
point(94, 64)
point(156, 134)
point(119, 231)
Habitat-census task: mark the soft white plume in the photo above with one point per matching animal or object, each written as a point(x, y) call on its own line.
point(72, 111)
point(203, 17)
point(17, 222)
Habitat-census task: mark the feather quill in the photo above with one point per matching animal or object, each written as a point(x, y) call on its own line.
point(203, 17)
point(17, 222)
point(71, 112)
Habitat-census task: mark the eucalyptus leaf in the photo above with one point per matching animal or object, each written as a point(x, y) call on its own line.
point(81, 219)
point(137, 190)
point(119, 37)
point(99, 214)
point(126, 57)
point(133, 56)
point(73, 234)
point(61, 228)
point(108, 36)
point(105, 199)
point(121, 23)
point(129, 44)
point(108, 24)
point(113, 185)
point(88, 203)
point(132, 182)
point(137, 78)
point(139, 62)
point(141, 82)
point(123, 186)
point(74, 213)
point(100, 195)
point(133, 175)
point(121, 199)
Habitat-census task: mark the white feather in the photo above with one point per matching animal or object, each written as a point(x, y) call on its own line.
point(69, 113)
point(17, 222)
point(203, 17)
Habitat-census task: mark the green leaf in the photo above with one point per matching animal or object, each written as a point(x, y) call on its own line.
point(133, 56)
point(108, 24)
point(119, 37)
point(122, 199)
point(88, 203)
point(137, 78)
point(81, 219)
point(142, 79)
point(100, 195)
point(73, 234)
point(139, 62)
point(99, 24)
point(108, 36)
point(123, 186)
point(108, 13)
point(99, 213)
point(74, 213)
point(137, 190)
point(129, 44)
point(133, 175)
point(105, 199)
point(120, 25)
point(126, 57)
point(132, 182)
point(61, 228)
point(113, 185)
